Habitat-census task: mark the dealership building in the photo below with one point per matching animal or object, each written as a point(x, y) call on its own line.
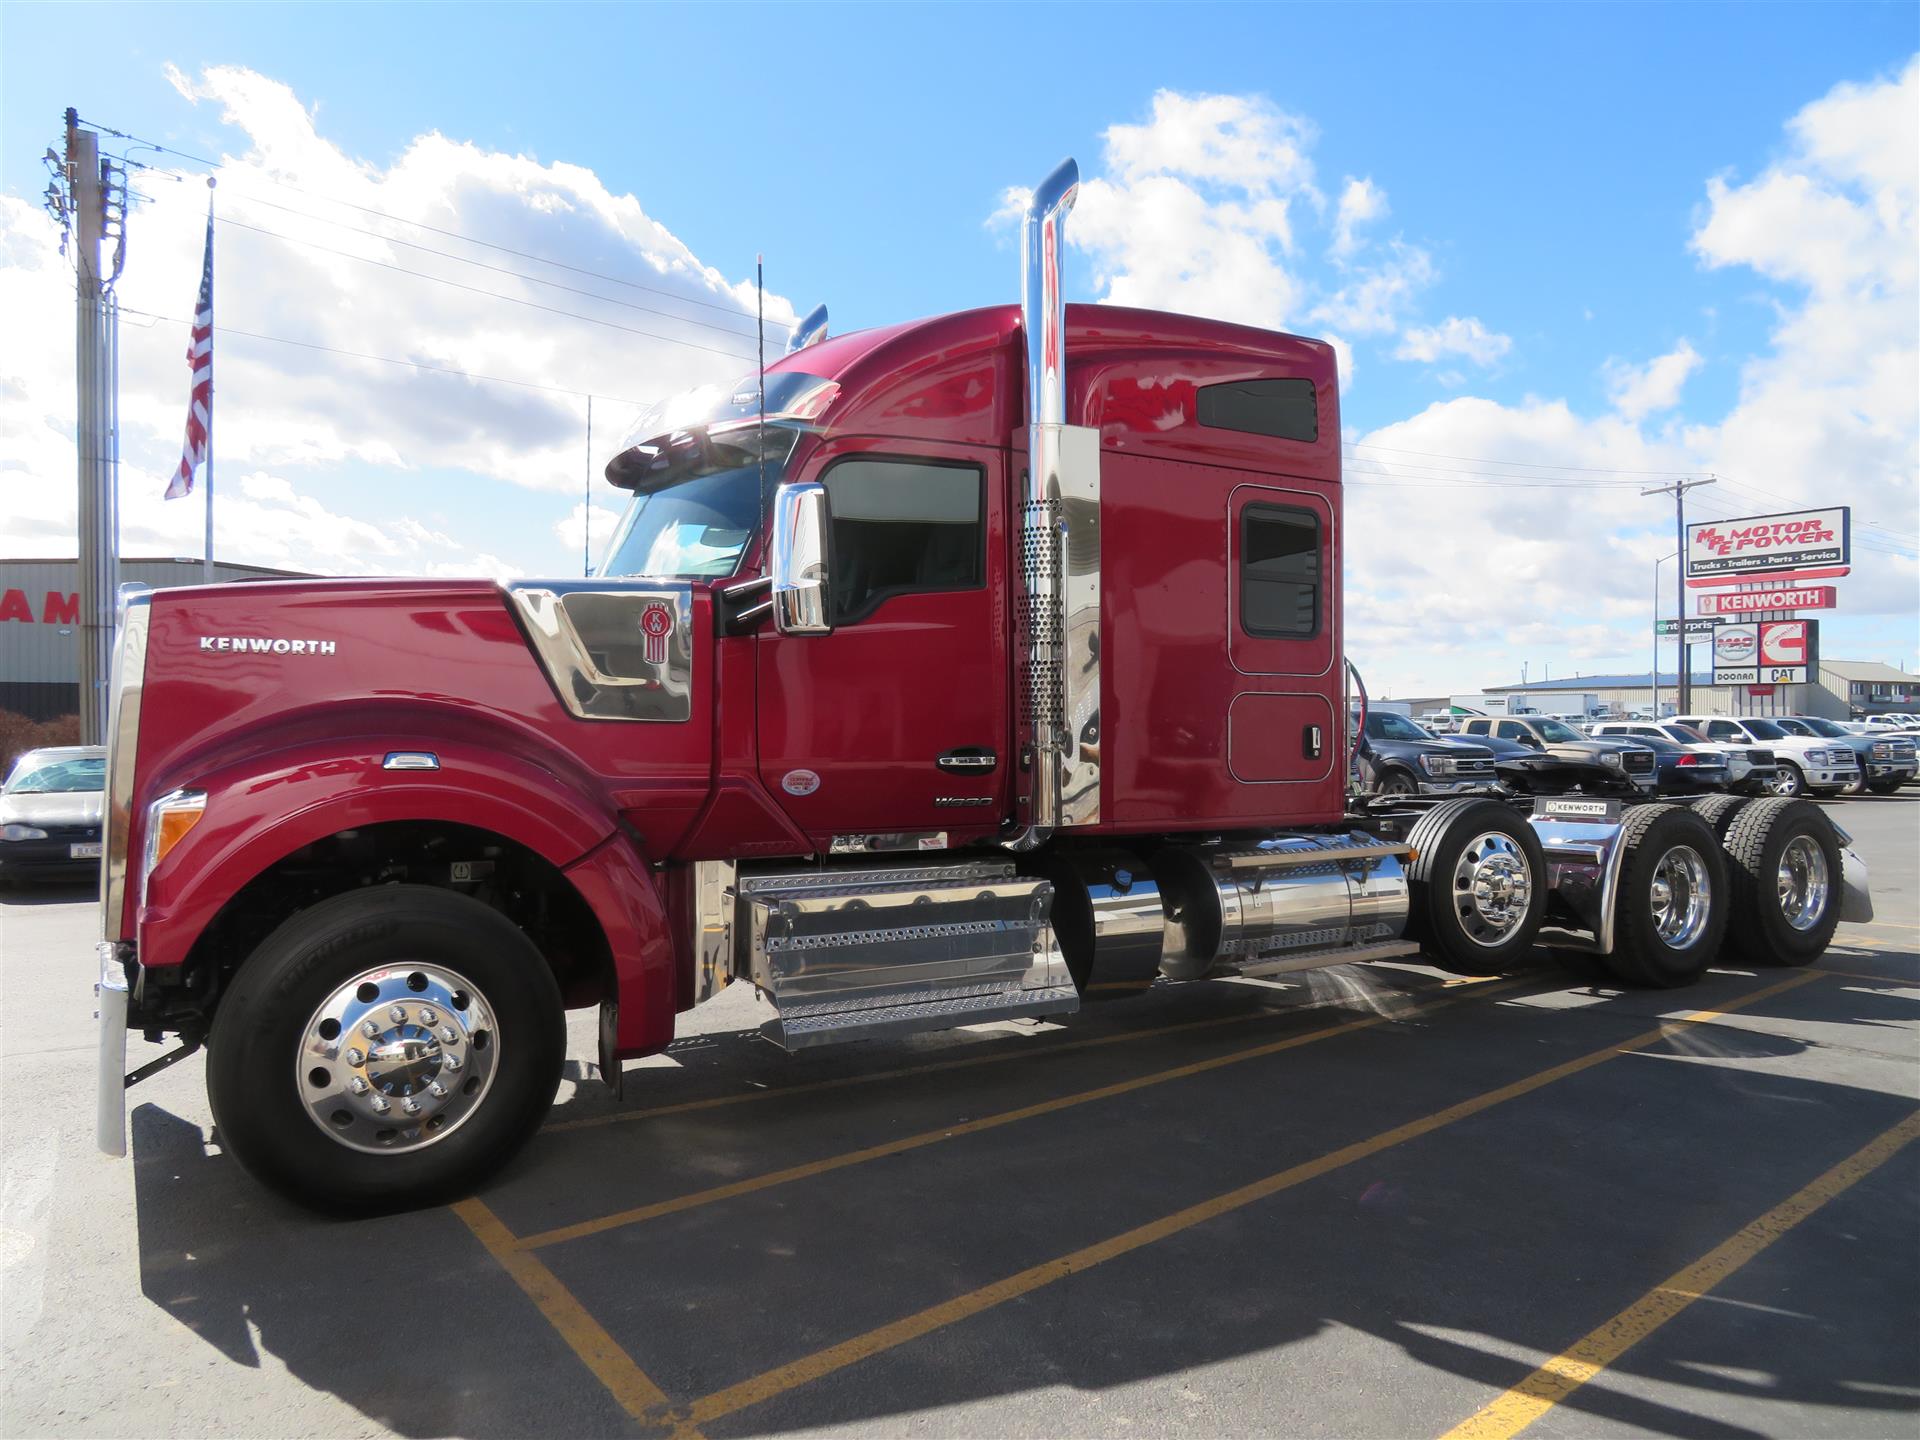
point(1840, 690)
point(40, 624)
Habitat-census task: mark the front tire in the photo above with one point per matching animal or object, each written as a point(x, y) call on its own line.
point(1398, 782)
point(385, 1049)
point(1670, 911)
point(1791, 783)
point(1476, 888)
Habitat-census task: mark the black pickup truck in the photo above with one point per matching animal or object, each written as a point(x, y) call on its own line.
point(1397, 757)
point(1617, 767)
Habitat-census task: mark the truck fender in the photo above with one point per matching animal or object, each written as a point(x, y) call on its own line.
point(615, 881)
point(263, 809)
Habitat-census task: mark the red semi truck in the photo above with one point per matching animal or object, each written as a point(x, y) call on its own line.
point(983, 666)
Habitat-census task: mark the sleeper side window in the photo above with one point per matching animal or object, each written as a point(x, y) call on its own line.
point(902, 527)
point(1284, 409)
point(1279, 571)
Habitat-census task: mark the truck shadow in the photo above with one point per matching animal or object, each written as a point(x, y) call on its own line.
point(1461, 1252)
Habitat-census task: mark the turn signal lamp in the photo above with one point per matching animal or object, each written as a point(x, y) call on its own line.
point(168, 820)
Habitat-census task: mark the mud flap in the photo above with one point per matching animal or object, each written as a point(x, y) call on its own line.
point(110, 1077)
point(610, 1068)
point(1856, 901)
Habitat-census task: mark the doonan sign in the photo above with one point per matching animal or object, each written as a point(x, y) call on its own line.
point(1798, 545)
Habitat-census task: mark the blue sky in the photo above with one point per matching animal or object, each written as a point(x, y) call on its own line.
point(1546, 172)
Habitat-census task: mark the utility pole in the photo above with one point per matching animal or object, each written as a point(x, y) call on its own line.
point(1683, 672)
point(99, 562)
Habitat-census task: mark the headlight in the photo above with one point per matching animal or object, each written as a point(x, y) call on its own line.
point(23, 832)
point(1882, 751)
point(1611, 758)
point(1437, 764)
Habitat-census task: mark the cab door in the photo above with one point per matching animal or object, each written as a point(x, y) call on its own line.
point(897, 722)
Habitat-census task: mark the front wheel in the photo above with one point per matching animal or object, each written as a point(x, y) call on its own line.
point(1790, 783)
point(385, 1049)
point(1885, 787)
point(1477, 886)
point(1399, 782)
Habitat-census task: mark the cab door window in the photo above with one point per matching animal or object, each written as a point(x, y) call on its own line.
point(902, 527)
point(1514, 730)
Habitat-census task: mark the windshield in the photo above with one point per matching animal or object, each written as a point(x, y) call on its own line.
point(1384, 725)
point(695, 528)
point(58, 777)
point(1553, 730)
point(1765, 730)
point(1824, 727)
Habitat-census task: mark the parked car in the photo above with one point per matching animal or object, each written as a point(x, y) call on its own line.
point(1397, 757)
point(1630, 763)
point(1440, 722)
point(1893, 720)
point(1682, 769)
point(50, 813)
point(1806, 764)
point(1887, 761)
point(1750, 771)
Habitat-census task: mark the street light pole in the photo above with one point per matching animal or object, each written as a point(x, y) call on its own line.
point(1653, 675)
point(1682, 676)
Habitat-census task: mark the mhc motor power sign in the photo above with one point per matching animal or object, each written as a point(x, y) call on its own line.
point(1799, 545)
point(1766, 652)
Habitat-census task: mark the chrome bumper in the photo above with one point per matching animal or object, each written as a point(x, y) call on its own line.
point(110, 1077)
point(1856, 901)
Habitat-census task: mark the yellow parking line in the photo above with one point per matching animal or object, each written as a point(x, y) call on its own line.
point(807, 1171)
point(622, 1117)
point(611, 1366)
point(1862, 975)
point(1554, 1381)
point(783, 1378)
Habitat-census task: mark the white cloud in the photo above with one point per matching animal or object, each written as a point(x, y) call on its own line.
point(286, 413)
point(1465, 338)
point(1200, 209)
point(568, 531)
point(1454, 575)
point(1360, 202)
point(1638, 391)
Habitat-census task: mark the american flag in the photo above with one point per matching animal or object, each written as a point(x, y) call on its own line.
point(193, 453)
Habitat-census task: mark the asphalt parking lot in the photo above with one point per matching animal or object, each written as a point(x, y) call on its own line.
point(1369, 1202)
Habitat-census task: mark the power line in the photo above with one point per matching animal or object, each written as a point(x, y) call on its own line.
point(402, 220)
point(1526, 464)
point(481, 290)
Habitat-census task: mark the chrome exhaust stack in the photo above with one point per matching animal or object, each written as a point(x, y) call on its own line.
point(1060, 545)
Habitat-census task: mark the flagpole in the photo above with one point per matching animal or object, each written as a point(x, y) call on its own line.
point(206, 567)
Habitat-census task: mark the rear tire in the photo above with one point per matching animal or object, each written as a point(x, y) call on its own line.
point(458, 1061)
point(1670, 910)
point(1718, 811)
point(1477, 886)
point(1784, 863)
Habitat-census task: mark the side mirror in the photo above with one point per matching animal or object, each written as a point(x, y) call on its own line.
point(799, 560)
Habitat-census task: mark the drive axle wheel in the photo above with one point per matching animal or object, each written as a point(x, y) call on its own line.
point(387, 1048)
point(1670, 910)
point(1476, 886)
point(1784, 856)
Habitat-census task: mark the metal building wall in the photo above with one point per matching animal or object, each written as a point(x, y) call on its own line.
point(40, 655)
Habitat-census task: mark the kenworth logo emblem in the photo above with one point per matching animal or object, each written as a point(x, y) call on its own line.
point(656, 623)
point(261, 645)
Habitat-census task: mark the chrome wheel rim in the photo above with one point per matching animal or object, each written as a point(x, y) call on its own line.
point(1787, 782)
point(1803, 884)
point(1681, 897)
point(1492, 885)
point(397, 1058)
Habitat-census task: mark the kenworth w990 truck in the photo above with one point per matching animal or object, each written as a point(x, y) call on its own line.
point(989, 666)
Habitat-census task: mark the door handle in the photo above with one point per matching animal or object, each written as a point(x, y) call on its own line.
point(969, 760)
point(1310, 742)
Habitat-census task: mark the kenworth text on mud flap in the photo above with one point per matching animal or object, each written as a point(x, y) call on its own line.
point(990, 667)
